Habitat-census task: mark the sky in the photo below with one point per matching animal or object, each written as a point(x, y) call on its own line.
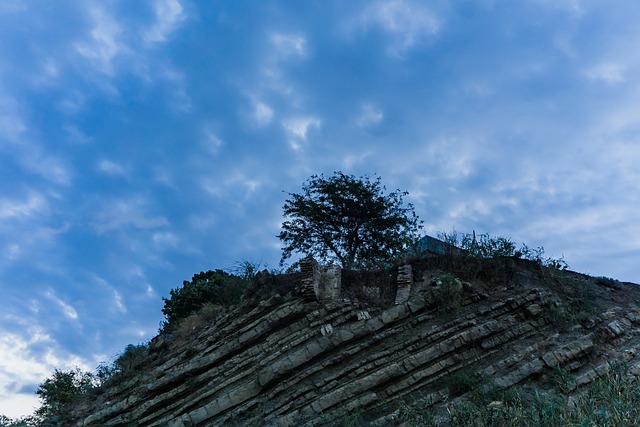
point(142, 142)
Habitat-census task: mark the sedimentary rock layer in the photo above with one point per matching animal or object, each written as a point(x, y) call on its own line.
point(290, 361)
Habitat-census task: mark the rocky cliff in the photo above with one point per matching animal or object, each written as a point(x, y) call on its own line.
point(375, 343)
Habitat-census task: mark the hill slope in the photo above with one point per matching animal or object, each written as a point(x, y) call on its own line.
point(383, 345)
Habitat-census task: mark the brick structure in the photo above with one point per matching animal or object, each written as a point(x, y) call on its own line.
point(405, 280)
point(320, 283)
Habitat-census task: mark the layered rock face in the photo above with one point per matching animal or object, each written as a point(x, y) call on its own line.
point(294, 360)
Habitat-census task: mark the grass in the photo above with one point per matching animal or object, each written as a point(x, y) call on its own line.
point(611, 400)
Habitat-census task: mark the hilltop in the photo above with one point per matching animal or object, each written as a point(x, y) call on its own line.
point(408, 345)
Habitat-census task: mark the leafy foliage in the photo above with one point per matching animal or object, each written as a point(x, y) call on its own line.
point(28, 421)
point(124, 365)
point(61, 390)
point(347, 219)
point(216, 287)
point(448, 294)
point(486, 246)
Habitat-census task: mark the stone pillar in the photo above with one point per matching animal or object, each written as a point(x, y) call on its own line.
point(317, 283)
point(404, 280)
point(310, 278)
point(330, 284)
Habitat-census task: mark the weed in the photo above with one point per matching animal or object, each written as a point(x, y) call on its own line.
point(448, 294)
point(460, 383)
point(607, 282)
point(354, 418)
point(563, 380)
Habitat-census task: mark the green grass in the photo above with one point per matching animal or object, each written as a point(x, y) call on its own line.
point(612, 400)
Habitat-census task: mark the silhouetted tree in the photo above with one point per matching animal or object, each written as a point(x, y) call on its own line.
point(349, 220)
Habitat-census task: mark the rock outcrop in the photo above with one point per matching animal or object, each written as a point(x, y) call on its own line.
point(292, 360)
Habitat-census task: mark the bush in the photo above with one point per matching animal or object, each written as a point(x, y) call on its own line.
point(22, 422)
point(215, 287)
point(62, 390)
point(486, 246)
point(448, 294)
point(127, 363)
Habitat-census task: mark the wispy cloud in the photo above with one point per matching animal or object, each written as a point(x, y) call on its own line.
point(66, 308)
point(262, 113)
point(23, 367)
point(103, 44)
point(119, 214)
point(211, 142)
point(112, 168)
point(23, 209)
point(608, 73)
point(369, 116)
point(407, 23)
point(298, 129)
point(168, 13)
point(290, 45)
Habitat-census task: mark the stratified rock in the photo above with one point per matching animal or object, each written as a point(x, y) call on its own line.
point(311, 359)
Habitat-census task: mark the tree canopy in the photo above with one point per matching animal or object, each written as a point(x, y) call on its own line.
point(216, 287)
point(349, 220)
point(61, 390)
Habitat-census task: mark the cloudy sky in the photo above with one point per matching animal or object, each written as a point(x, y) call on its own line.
point(142, 142)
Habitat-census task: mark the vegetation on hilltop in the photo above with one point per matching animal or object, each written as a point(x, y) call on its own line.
point(349, 220)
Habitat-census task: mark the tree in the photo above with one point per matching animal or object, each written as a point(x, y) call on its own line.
point(63, 389)
point(347, 219)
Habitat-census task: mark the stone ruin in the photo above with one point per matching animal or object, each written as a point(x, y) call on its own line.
point(405, 280)
point(324, 283)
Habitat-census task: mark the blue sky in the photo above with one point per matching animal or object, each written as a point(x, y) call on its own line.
point(142, 142)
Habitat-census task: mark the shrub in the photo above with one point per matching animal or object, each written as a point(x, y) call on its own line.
point(486, 246)
point(448, 293)
point(127, 363)
point(216, 287)
point(28, 421)
point(62, 390)
point(607, 282)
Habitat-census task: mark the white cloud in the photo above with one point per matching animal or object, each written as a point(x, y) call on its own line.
point(608, 73)
point(203, 222)
point(369, 116)
point(75, 135)
point(574, 7)
point(210, 186)
point(21, 368)
point(72, 103)
point(211, 141)
point(351, 160)
point(67, 309)
point(127, 213)
point(34, 204)
point(298, 129)
point(111, 168)
point(262, 113)
point(104, 44)
point(165, 238)
point(407, 23)
point(240, 179)
point(117, 300)
point(169, 14)
point(52, 169)
point(289, 45)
